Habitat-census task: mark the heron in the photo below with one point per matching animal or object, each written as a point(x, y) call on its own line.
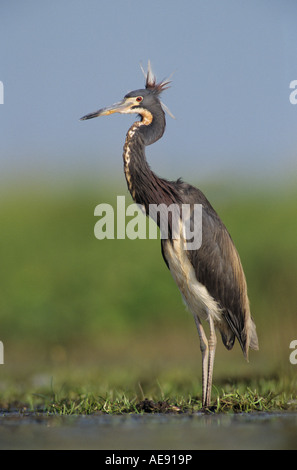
point(211, 278)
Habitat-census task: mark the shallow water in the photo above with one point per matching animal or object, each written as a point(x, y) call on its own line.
point(150, 432)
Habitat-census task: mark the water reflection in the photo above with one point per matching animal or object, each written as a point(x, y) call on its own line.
point(184, 432)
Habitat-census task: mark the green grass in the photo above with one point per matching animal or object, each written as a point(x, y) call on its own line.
point(93, 326)
point(240, 400)
point(235, 402)
point(264, 395)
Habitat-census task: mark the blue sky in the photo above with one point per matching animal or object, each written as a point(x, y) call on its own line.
point(233, 61)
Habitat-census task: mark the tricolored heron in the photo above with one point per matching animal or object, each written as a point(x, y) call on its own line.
point(211, 279)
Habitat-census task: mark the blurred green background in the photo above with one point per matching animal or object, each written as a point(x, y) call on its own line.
point(108, 311)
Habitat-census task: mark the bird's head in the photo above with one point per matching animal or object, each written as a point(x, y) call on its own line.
point(145, 102)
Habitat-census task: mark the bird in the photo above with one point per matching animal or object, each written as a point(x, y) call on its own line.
point(211, 278)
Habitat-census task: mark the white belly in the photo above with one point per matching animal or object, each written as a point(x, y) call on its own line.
point(195, 294)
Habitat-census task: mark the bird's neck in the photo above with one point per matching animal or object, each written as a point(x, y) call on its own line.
point(144, 185)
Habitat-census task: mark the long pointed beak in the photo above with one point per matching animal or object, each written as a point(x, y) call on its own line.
point(120, 107)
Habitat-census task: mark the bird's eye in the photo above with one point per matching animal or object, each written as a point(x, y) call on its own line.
point(139, 98)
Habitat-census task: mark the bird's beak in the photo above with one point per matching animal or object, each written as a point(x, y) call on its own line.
point(120, 107)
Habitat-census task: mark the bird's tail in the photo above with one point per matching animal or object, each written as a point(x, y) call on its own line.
point(250, 338)
point(246, 334)
point(253, 344)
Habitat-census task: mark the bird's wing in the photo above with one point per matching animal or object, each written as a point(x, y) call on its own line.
point(218, 267)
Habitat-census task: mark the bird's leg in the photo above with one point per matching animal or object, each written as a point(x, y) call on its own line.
point(205, 352)
point(212, 342)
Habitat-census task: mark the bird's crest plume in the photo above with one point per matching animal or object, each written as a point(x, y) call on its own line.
point(151, 84)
